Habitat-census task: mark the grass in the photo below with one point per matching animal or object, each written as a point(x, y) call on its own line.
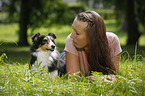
point(16, 79)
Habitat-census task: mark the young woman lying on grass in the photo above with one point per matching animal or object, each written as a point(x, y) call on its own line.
point(90, 48)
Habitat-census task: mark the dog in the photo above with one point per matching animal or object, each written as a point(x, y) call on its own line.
point(44, 51)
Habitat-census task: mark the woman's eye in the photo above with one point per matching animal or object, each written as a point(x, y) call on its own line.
point(77, 33)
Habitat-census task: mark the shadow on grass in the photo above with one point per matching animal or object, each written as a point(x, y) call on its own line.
point(130, 51)
point(20, 54)
point(15, 53)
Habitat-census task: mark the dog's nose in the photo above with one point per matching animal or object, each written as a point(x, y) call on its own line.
point(52, 46)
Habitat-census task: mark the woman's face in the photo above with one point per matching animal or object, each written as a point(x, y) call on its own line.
point(79, 34)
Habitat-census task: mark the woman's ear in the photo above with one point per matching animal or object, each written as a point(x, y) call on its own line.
point(35, 37)
point(52, 35)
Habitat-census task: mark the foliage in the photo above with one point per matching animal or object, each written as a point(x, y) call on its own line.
point(44, 12)
point(40, 10)
point(120, 9)
point(72, 11)
point(132, 13)
point(17, 79)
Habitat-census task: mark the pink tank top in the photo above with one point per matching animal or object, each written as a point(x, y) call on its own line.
point(114, 45)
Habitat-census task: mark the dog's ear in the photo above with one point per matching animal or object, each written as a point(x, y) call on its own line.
point(35, 37)
point(52, 34)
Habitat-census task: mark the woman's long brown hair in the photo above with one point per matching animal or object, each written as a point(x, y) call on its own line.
point(98, 53)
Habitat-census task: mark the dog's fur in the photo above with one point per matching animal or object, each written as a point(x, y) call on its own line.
point(44, 51)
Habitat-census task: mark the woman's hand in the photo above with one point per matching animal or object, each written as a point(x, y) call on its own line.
point(90, 77)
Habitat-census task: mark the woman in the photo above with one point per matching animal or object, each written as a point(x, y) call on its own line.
point(90, 48)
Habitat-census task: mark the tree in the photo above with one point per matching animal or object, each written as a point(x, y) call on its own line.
point(132, 24)
point(24, 21)
point(133, 11)
point(34, 13)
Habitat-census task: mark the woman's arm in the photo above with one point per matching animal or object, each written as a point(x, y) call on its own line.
point(72, 63)
point(116, 61)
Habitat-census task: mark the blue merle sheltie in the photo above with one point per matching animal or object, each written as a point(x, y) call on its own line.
point(44, 51)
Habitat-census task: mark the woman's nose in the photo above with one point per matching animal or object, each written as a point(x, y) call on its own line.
point(72, 35)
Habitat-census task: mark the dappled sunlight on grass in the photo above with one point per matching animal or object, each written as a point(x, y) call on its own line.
point(15, 53)
point(122, 37)
point(61, 31)
point(9, 32)
point(142, 40)
point(111, 25)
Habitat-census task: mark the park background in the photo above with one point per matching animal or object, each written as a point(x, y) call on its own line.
point(20, 19)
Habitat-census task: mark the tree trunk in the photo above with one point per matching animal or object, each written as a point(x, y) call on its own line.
point(23, 22)
point(12, 10)
point(133, 32)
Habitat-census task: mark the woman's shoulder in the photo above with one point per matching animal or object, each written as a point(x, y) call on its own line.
point(114, 43)
point(68, 37)
point(111, 36)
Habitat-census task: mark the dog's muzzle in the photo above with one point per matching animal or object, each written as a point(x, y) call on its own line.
point(52, 48)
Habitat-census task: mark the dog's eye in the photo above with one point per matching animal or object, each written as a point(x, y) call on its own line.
point(45, 40)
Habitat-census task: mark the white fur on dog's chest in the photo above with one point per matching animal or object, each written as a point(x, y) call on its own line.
point(46, 58)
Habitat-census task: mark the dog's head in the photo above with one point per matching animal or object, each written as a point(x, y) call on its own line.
point(44, 43)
